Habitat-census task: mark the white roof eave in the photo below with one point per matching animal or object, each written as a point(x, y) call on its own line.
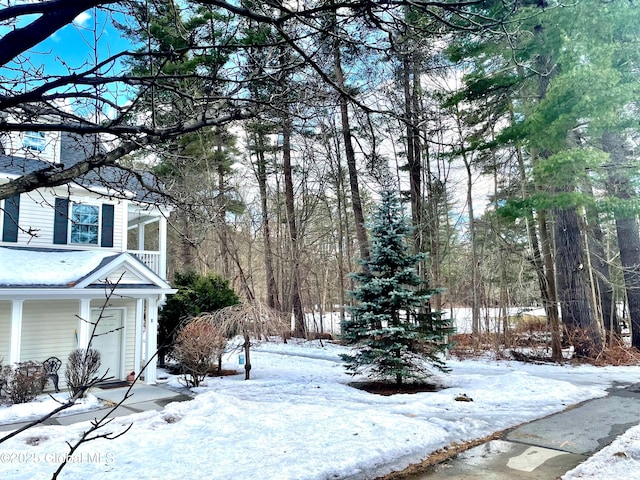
point(128, 261)
point(76, 293)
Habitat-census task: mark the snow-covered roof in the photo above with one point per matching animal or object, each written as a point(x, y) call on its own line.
point(39, 267)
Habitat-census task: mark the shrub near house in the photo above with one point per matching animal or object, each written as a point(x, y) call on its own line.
point(196, 294)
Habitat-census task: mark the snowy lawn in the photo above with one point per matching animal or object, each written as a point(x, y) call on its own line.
point(44, 404)
point(298, 419)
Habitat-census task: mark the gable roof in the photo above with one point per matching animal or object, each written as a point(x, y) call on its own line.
point(75, 148)
point(75, 270)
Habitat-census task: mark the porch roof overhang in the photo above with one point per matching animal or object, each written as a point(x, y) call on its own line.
point(67, 274)
point(66, 293)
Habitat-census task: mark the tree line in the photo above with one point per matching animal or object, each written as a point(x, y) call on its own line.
point(275, 125)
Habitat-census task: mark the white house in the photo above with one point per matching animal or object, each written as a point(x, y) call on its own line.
point(91, 250)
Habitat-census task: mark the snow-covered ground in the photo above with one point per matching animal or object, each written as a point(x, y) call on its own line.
point(620, 460)
point(489, 318)
point(44, 404)
point(297, 418)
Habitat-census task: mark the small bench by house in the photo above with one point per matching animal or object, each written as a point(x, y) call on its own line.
point(51, 366)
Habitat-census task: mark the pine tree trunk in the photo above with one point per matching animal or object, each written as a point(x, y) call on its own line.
point(222, 212)
point(296, 300)
point(545, 65)
point(187, 249)
point(474, 260)
point(414, 166)
point(434, 195)
point(299, 329)
point(356, 201)
point(574, 290)
point(342, 235)
point(261, 173)
point(543, 264)
point(619, 186)
point(605, 288)
point(549, 289)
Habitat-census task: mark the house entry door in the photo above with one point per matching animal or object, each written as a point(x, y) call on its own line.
point(108, 340)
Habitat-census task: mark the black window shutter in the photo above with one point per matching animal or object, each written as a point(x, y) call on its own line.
point(61, 221)
point(11, 219)
point(107, 226)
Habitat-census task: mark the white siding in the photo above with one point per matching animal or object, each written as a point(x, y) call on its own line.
point(125, 276)
point(13, 145)
point(5, 331)
point(37, 215)
point(49, 329)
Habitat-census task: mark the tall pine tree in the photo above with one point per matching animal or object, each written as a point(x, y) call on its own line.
point(394, 335)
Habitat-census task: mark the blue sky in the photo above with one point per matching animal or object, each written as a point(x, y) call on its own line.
point(71, 49)
point(73, 45)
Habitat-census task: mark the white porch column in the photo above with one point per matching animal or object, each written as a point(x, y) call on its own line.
point(152, 340)
point(124, 206)
point(84, 327)
point(137, 359)
point(16, 331)
point(162, 245)
point(141, 237)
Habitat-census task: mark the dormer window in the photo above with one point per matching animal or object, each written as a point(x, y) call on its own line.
point(85, 224)
point(34, 141)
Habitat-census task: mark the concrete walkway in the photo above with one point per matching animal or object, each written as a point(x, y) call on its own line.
point(546, 449)
point(143, 398)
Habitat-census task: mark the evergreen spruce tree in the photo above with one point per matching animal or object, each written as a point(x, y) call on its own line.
point(394, 334)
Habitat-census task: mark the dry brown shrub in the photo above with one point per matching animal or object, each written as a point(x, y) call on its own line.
point(618, 355)
point(82, 369)
point(22, 382)
point(319, 336)
point(464, 346)
point(530, 324)
point(197, 348)
point(463, 340)
point(253, 320)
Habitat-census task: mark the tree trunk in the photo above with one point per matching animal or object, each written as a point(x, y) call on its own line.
point(550, 297)
point(410, 90)
point(187, 249)
point(435, 195)
point(542, 260)
point(475, 260)
point(605, 288)
point(619, 186)
point(574, 290)
point(342, 235)
point(261, 174)
point(545, 65)
point(296, 301)
point(222, 209)
point(356, 201)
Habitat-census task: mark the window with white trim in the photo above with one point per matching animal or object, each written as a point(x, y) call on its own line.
point(34, 141)
point(85, 224)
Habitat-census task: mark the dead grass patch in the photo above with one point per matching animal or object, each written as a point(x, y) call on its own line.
point(440, 456)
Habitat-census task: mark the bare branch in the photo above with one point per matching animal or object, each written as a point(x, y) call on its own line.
point(55, 15)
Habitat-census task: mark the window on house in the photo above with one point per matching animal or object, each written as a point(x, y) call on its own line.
point(34, 141)
point(85, 224)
